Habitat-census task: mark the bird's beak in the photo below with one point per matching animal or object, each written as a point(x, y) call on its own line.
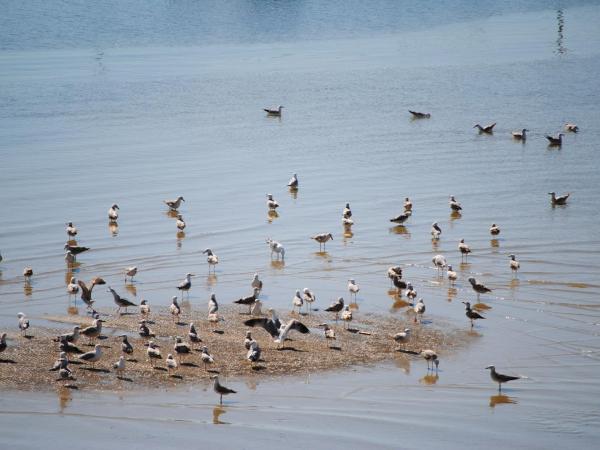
point(488, 367)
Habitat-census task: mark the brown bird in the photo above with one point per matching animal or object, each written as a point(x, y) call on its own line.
point(86, 293)
point(500, 378)
point(478, 287)
point(220, 389)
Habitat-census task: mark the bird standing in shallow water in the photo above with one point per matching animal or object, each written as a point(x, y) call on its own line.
point(130, 272)
point(454, 205)
point(322, 239)
point(353, 288)
point(500, 378)
point(72, 287)
point(407, 204)
point(439, 261)
point(71, 230)
point(256, 283)
point(220, 389)
point(27, 273)
point(309, 298)
point(211, 259)
point(401, 218)
point(419, 310)
point(464, 249)
point(336, 307)
point(271, 203)
point(120, 301)
point(494, 230)
point(452, 275)
point(113, 213)
point(436, 231)
point(514, 264)
point(478, 287)
point(297, 302)
point(472, 315)
point(293, 183)
point(174, 204)
point(180, 223)
point(186, 284)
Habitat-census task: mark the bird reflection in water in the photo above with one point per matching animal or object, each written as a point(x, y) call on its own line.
point(272, 215)
point(401, 229)
point(452, 292)
point(65, 397)
point(211, 279)
point(113, 228)
point(251, 384)
point(501, 399)
point(172, 213)
point(403, 363)
point(293, 192)
point(514, 283)
point(277, 264)
point(131, 288)
point(27, 289)
point(464, 266)
point(399, 304)
point(454, 215)
point(481, 307)
point(72, 310)
point(435, 244)
point(430, 378)
point(217, 412)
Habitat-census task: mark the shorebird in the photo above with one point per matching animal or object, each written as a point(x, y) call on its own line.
point(193, 334)
point(347, 222)
point(130, 272)
point(93, 331)
point(293, 183)
point(347, 212)
point(3, 342)
point(71, 230)
point(435, 230)
point(254, 352)
point(180, 222)
point(113, 213)
point(174, 204)
point(478, 287)
point(277, 329)
point(276, 248)
point(347, 316)
point(73, 336)
point(220, 389)
point(555, 141)
point(271, 203)
point(170, 363)
point(213, 305)
point(23, 323)
point(452, 275)
point(399, 284)
point(274, 111)
point(206, 357)
point(27, 273)
point(248, 340)
point(464, 249)
point(472, 315)
point(400, 219)
point(175, 309)
point(419, 115)
point(336, 307)
point(309, 298)
point(514, 264)
point(119, 366)
point(153, 352)
point(181, 348)
point(144, 307)
point(86, 293)
point(411, 293)
point(285, 329)
point(500, 378)
point(256, 283)
point(126, 347)
point(61, 363)
point(571, 127)
point(402, 336)
point(440, 263)
point(494, 230)
point(322, 239)
point(249, 300)
point(144, 331)
point(520, 135)
point(329, 334)
point(186, 284)
point(407, 204)
point(488, 129)
point(394, 272)
point(120, 301)
point(93, 356)
point(454, 205)
point(419, 310)
point(560, 200)
point(64, 346)
point(72, 287)
point(297, 302)
point(353, 288)
point(211, 259)
point(430, 356)
point(75, 249)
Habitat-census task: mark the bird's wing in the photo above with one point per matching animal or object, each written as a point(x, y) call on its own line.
point(265, 323)
point(85, 292)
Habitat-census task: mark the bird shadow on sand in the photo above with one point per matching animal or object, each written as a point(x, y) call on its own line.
point(129, 380)
point(189, 364)
point(181, 324)
point(352, 330)
point(218, 331)
point(102, 338)
point(128, 314)
point(162, 369)
point(7, 361)
point(29, 337)
point(290, 349)
point(339, 349)
point(258, 368)
point(94, 369)
point(133, 360)
point(213, 371)
point(178, 377)
point(75, 362)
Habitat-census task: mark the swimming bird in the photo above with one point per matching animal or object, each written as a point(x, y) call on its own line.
point(211, 259)
point(419, 310)
point(220, 389)
point(464, 249)
point(293, 183)
point(514, 264)
point(479, 287)
point(411, 293)
point(130, 272)
point(274, 111)
point(309, 298)
point(407, 204)
point(435, 230)
point(180, 222)
point(402, 336)
point(254, 352)
point(170, 363)
point(452, 275)
point(454, 205)
point(248, 340)
point(271, 203)
point(297, 302)
point(113, 213)
point(439, 261)
point(353, 288)
point(3, 345)
point(23, 323)
point(336, 307)
point(419, 115)
point(193, 334)
point(329, 334)
point(430, 356)
point(500, 378)
point(206, 357)
point(174, 204)
point(520, 135)
point(153, 352)
point(93, 356)
point(119, 366)
point(488, 129)
point(27, 273)
point(276, 248)
point(86, 293)
point(120, 301)
point(75, 249)
point(347, 316)
point(494, 230)
point(571, 127)
point(555, 141)
point(93, 331)
point(322, 239)
point(144, 307)
point(347, 212)
point(175, 309)
point(249, 300)
point(126, 347)
point(186, 284)
point(71, 230)
point(472, 315)
point(256, 283)
point(560, 200)
point(72, 287)
point(144, 331)
point(73, 336)
point(181, 348)
point(401, 218)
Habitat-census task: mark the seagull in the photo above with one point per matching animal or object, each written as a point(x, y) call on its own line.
point(430, 356)
point(61, 363)
point(286, 328)
point(293, 183)
point(464, 249)
point(347, 213)
point(218, 388)
point(193, 334)
point(211, 259)
point(309, 298)
point(435, 230)
point(254, 352)
point(93, 331)
point(271, 325)
point(454, 205)
point(71, 230)
point(472, 315)
point(206, 357)
point(297, 302)
point(23, 323)
point(555, 141)
point(329, 334)
point(119, 366)
point(126, 347)
point(93, 356)
point(419, 309)
point(336, 307)
point(560, 200)
point(86, 293)
point(353, 288)
point(174, 204)
point(75, 249)
point(520, 135)
point(120, 301)
point(130, 272)
point(274, 111)
point(402, 336)
point(144, 331)
point(347, 316)
point(514, 264)
point(28, 273)
point(276, 247)
point(69, 337)
point(180, 222)
point(171, 363)
point(144, 307)
point(113, 214)
point(248, 340)
point(478, 287)
point(271, 203)
point(175, 309)
point(411, 294)
point(419, 115)
point(186, 284)
point(399, 284)
point(488, 129)
point(400, 219)
point(153, 352)
point(494, 230)
point(256, 309)
point(64, 346)
point(452, 275)
point(256, 283)
point(3, 342)
point(65, 374)
point(72, 287)
point(213, 306)
point(181, 348)
point(440, 263)
point(500, 378)
point(407, 204)
point(347, 221)
point(394, 272)
point(322, 239)
point(571, 127)
point(249, 301)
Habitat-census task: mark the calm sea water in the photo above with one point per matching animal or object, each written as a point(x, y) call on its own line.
point(135, 102)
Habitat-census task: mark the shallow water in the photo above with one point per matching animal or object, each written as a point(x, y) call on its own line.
point(115, 116)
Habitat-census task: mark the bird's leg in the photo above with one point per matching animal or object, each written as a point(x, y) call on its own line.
point(221, 399)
